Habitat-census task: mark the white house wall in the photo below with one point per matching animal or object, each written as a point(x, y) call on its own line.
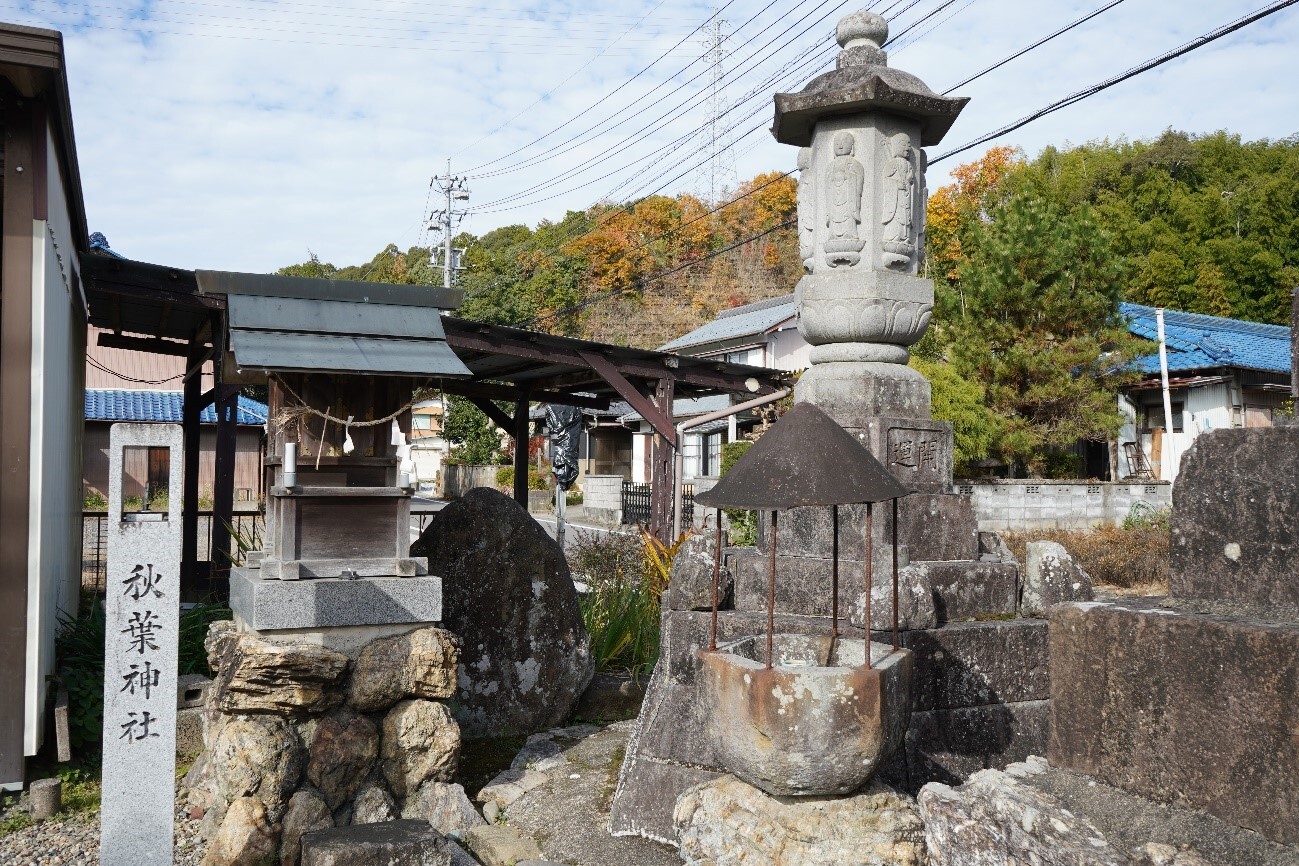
point(57, 407)
point(787, 350)
point(1206, 408)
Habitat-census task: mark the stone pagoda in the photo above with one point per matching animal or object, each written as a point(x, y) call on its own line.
point(978, 692)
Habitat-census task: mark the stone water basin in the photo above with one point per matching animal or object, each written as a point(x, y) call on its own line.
point(817, 723)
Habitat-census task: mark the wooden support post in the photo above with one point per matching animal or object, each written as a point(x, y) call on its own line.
point(223, 481)
point(191, 409)
point(661, 469)
point(520, 431)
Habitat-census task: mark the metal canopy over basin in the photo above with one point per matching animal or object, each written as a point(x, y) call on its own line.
point(816, 723)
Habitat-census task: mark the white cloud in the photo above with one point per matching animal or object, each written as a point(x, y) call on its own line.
point(239, 134)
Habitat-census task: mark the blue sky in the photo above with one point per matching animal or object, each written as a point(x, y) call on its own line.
point(240, 135)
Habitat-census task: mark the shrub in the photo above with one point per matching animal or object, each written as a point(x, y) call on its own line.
point(1132, 556)
point(743, 529)
point(94, 500)
point(626, 576)
point(538, 479)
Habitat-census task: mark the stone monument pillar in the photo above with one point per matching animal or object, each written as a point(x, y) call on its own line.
point(861, 219)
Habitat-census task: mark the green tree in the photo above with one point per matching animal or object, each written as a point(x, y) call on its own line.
point(962, 403)
point(1040, 330)
point(471, 433)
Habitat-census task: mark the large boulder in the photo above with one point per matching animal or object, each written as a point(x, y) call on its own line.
point(306, 812)
point(1235, 524)
point(246, 837)
point(996, 818)
point(421, 742)
point(257, 756)
point(418, 664)
point(343, 749)
point(444, 805)
point(507, 592)
point(1051, 576)
point(258, 676)
point(728, 822)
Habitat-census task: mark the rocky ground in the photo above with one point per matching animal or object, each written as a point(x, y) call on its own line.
point(73, 839)
point(552, 805)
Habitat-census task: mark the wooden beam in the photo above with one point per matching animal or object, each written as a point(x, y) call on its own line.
point(155, 346)
point(191, 409)
point(661, 421)
point(490, 409)
point(223, 478)
point(520, 431)
point(493, 391)
point(707, 374)
point(661, 474)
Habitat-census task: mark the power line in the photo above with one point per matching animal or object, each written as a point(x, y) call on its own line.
point(656, 122)
point(1124, 76)
point(552, 90)
point(1039, 43)
point(98, 366)
point(608, 95)
point(586, 135)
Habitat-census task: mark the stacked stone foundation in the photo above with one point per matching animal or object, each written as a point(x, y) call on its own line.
point(299, 737)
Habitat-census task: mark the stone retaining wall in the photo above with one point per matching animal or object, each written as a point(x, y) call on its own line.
point(1038, 504)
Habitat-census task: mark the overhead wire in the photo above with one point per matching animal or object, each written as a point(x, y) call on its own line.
point(1085, 93)
point(576, 140)
point(1038, 44)
point(608, 95)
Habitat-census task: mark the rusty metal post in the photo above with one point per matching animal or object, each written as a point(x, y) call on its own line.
point(834, 571)
point(870, 555)
point(717, 579)
point(771, 590)
point(895, 575)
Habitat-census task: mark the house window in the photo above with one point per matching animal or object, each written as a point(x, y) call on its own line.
point(710, 454)
point(422, 422)
point(1153, 417)
point(752, 357)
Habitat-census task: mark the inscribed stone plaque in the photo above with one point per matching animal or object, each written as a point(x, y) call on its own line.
point(916, 455)
point(142, 612)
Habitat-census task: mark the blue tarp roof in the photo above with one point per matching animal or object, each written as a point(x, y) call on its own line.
point(1198, 342)
point(747, 320)
point(160, 407)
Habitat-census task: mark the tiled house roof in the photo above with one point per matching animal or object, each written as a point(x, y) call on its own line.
point(747, 320)
point(1198, 342)
point(159, 407)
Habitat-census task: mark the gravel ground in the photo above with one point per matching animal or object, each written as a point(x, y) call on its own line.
point(74, 840)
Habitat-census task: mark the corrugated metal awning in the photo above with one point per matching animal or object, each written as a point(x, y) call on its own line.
point(271, 330)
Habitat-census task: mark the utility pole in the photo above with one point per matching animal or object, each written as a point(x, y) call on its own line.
point(454, 188)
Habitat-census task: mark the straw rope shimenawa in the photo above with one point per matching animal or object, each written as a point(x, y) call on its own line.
point(289, 414)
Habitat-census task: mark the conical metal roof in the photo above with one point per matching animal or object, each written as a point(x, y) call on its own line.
point(804, 459)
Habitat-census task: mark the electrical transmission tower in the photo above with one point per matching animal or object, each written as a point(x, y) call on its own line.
point(721, 162)
point(454, 188)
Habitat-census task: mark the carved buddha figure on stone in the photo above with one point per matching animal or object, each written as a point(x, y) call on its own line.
point(845, 182)
point(899, 198)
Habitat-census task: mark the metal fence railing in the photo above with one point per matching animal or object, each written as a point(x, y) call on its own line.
point(246, 525)
point(637, 499)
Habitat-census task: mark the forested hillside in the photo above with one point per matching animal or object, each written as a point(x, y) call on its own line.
point(1029, 259)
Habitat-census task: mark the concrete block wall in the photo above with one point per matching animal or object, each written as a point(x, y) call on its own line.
point(1038, 504)
point(458, 479)
point(602, 496)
